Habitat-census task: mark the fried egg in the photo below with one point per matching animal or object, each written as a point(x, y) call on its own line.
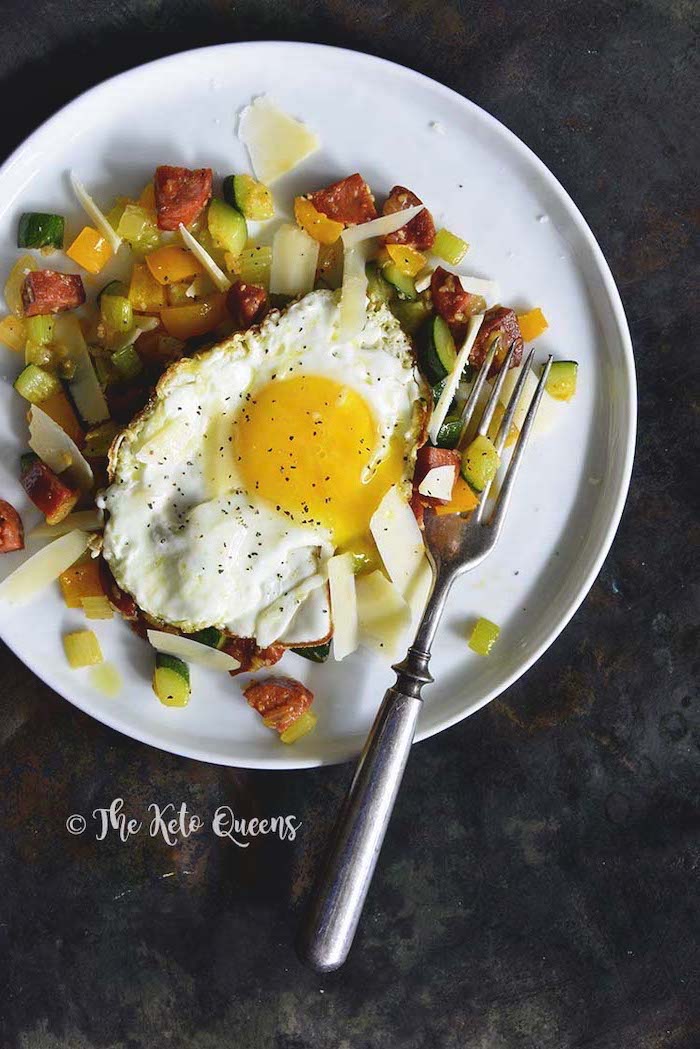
point(254, 462)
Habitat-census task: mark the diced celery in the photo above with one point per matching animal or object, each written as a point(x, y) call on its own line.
point(115, 213)
point(117, 313)
point(35, 384)
point(127, 362)
point(40, 329)
point(15, 281)
point(99, 439)
point(252, 265)
point(484, 636)
point(13, 333)
point(449, 247)
point(97, 607)
point(303, 725)
point(37, 353)
point(82, 649)
point(138, 227)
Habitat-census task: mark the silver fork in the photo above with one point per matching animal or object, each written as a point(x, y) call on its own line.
point(455, 545)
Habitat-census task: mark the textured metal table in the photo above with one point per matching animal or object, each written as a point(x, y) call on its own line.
point(538, 888)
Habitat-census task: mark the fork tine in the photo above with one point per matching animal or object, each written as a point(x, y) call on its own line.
point(503, 499)
point(469, 407)
point(495, 393)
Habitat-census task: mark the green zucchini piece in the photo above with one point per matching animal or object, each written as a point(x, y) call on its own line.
point(35, 384)
point(117, 312)
point(480, 462)
point(404, 286)
point(26, 461)
point(436, 350)
point(40, 230)
point(378, 289)
point(210, 636)
point(449, 433)
point(251, 198)
point(316, 653)
point(227, 227)
point(114, 287)
point(410, 315)
point(561, 381)
point(171, 680)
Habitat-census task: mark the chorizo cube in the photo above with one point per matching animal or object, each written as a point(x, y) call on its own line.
point(181, 194)
point(46, 291)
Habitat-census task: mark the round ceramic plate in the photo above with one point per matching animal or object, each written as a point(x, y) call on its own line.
point(479, 180)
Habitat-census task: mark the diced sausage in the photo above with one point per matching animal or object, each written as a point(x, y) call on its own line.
point(498, 320)
point(251, 658)
point(451, 301)
point(247, 303)
point(279, 700)
point(46, 291)
point(419, 233)
point(428, 458)
point(11, 530)
point(48, 492)
point(350, 201)
point(123, 602)
point(181, 194)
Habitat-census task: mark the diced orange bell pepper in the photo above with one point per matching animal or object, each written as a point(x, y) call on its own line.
point(463, 500)
point(81, 580)
point(146, 295)
point(90, 250)
point(171, 264)
point(532, 324)
point(148, 197)
point(408, 261)
point(316, 224)
point(59, 408)
point(186, 322)
point(13, 332)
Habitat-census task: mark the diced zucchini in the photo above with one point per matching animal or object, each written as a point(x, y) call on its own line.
point(36, 385)
point(410, 315)
point(227, 227)
point(40, 329)
point(117, 312)
point(448, 247)
point(171, 680)
point(378, 289)
point(449, 433)
point(26, 461)
point(114, 287)
point(316, 653)
point(127, 362)
point(40, 230)
point(210, 636)
point(251, 198)
point(561, 381)
point(15, 282)
point(82, 649)
point(405, 286)
point(484, 636)
point(436, 352)
point(301, 727)
point(480, 463)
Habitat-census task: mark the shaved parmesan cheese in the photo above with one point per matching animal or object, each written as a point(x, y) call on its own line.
point(217, 275)
point(423, 283)
point(97, 216)
point(57, 449)
point(452, 382)
point(547, 411)
point(84, 386)
point(276, 142)
point(43, 568)
point(86, 520)
point(383, 615)
point(399, 540)
point(380, 227)
point(294, 261)
point(343, 605)
point(353, 297)
point(172, 440)
point(439, 482)
point(191, 651)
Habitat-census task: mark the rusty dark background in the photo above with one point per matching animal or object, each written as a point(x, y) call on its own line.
point(539, 884)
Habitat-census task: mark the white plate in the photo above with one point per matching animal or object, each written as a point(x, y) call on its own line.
point(393, 125)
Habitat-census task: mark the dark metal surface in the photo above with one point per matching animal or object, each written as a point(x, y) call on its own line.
point(538, 888)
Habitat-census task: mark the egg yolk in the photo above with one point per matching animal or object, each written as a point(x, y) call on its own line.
point(303, 444)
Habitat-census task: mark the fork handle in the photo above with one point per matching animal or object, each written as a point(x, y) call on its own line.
point(339, 895)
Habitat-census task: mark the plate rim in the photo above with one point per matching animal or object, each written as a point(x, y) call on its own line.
point(286, 761)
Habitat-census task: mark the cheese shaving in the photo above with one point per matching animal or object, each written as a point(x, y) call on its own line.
point(43, 568)
point(380, 227)
point(191, 651)
point(217, 275)
point(276, 142)
point(97, 216)
point(450, 388)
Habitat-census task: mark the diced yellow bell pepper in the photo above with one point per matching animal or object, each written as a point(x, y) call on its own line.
point(82, 649)
point(187, 322)
point(408, 261)
point(148, 197)
point(13, 333)
point(59, 408)
point(463, 500)
point(532, 324)
point(79, 581)
point(317, 225)
point(90, 250)
point(146, 295)
point(171, 264)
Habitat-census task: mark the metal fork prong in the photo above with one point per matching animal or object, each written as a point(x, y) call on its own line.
point(504, 495)
point(495, 393)
point(473, 397)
